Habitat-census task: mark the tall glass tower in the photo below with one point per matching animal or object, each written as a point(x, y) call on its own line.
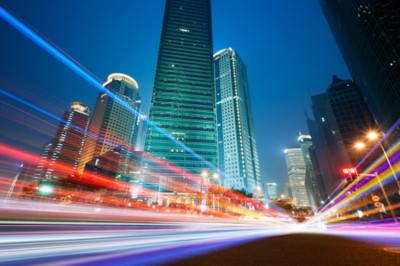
point(237, 151)
point(183, 97)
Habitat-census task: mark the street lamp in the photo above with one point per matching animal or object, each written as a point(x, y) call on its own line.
point(216, 177)
point(11, 190)
point(373, 136)
point(204, 175)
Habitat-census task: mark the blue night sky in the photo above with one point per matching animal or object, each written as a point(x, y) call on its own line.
point(286, 45)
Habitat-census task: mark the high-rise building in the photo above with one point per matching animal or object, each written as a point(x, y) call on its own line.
point(368, 35)
point(237, 150)
point(317, 160)
point(272, 191)
point(113, 121)
point(61, 156)
point(139, 136)
point(341, 119)
point(296, 169)
point(183, 99)
point(314, 197)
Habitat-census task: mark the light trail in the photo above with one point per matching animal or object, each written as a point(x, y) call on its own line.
point(86, 76)
point(132, 233)
point(157, 242)
point(352, 199)
point(76, 68)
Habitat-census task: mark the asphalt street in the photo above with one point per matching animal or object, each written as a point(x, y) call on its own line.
point(301, 249)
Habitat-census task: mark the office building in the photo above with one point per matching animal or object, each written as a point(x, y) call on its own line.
point(114, 118)
point(341, 119)
point(368, 34)
point(314, 196)
point(60, 157)
point(237, 149)
point(296, 169)
point(183, 99)
point(272, 191)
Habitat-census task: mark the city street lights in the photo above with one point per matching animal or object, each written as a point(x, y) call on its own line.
point(384, 193)
point(374, 136)
point(216, 177)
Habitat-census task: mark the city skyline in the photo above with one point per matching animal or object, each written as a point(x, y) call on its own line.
point(269, 98)
point(230, 103)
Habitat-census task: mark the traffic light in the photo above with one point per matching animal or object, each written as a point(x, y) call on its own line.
point(350, 173)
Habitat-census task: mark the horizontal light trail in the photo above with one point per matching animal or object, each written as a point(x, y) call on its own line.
point(357, 194)
point(61, 243)
point(53, 244)
point(144, 157)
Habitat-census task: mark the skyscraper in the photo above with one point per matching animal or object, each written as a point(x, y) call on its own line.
point(60, 157)
point(341, 119)
point(183, 97)
point(368, 35)
point(272, 191)
point(237, 150)
point(113, 121)
point(296, 169)
point(311, 184)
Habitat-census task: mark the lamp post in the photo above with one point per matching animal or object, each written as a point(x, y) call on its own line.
point(11, 190)
point(351, 174)
point(204, 175)
point(384, 193)
point(374, 136)
point(215, 177)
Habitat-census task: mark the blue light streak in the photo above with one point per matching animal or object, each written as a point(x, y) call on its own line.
point(89, 78)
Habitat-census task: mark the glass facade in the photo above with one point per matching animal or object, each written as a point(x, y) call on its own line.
point(183, 97)
point(237, 151)
point(368, 35)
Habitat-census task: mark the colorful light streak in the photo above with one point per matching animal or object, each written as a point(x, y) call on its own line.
point(78, 69)
point(86, 76)
point(367, 182)
point(138, 238)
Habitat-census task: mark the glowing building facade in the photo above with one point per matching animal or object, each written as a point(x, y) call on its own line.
point(296, 169)
point(60, 157)
point(183, 98)
point(237, 150)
